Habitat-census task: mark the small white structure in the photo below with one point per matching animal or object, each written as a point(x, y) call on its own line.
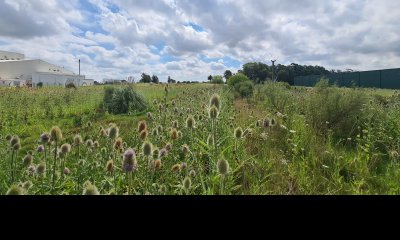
point(16, 71)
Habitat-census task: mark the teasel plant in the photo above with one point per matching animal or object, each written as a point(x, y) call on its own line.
point(15, 147)
point(56, 137)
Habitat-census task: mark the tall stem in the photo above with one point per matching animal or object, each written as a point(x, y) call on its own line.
point(54, 167)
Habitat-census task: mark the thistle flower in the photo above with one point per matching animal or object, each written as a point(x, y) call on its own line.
point(190, 122)
point(14, 140)
point(266, 123)
point(185, 149)
point(113, 132)
point(174, 134)
point(176, 168)
point(110, 166)
point(147, 148)
point(15, 190)
point(238, 133)
point(90, 189)
point(215, 101)
point(31, 170)
point(129, 161)
point(163, 153)
point(45, 138)
point(155, 132)
point(89, 143)
point(78, 140)
point(17, 146)
point(8, 137)
point(157, 164)
point(142, 126)
point(27, 161)
point(192, 173)
point(187, 183)
point(168, 147)
point(223, 167)
point(143, 135)
point(213, 112)
point(55, 134)
point(40, 149)
point(183, 166)
point(118, 144)
point(65, 148)
point(41, 168)
point(103, 133)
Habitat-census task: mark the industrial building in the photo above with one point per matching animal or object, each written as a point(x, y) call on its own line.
point(15, 70)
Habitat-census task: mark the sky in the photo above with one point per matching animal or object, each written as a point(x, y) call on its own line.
point(191, 39)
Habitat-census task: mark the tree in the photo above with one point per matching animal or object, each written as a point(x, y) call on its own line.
point(241, 84)
point(154, 79)
point(217, 80)
point(210, 78)
point(257, 72)
point(228, 74)
point(145, 78)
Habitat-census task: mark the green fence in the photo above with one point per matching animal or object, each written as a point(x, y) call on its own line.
point(387, 78)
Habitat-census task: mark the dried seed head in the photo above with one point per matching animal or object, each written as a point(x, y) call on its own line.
point(41, 168)
point(45, 138)
point(168, 147)
point(190, 122)
point(113, 131)
point(27, 161)
point(157, 164)
point(174, 134)
point(118, 144)
point(176, 168)
point(156, 153)
point(185, 149)
point(17, 146)
point(143, 135)
point(163, 153)
point(213, 112)
point(155, 132)
point(192, 173)
point(8, 137)
point(56, 134)
point(78, 140)
point(215, 101)
point(66, 171)
point(110, 166)
point(89, 143)
point(96, 144)
point(175, 124)
point(142, 126)
point(14, 140)
point(65, 148)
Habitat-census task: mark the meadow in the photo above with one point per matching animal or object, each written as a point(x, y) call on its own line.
point(201, 139)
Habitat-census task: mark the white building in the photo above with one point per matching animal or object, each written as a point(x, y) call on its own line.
point(16, 71)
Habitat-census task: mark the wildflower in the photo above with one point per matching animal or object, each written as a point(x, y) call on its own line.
point(187, 183)
point(147, 148)
point(238, 133)
point(129, 161)
point(65, 148)
point(78, 140)
point(142, 126)
point(192, 173)
point(215, 101)
point(41, 168)
point(56, 134)
point(213, 112)
point(113, 131)
point(110, 166)
point(190, 122)
point(15, 190)
point(27, 160)
point(40, 149)
point(90, 189)
point(223, 167)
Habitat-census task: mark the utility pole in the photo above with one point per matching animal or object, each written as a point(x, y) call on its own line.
point(273, 70)
point(79, 67)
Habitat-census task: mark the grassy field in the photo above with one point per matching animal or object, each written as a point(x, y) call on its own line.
point(199, 139)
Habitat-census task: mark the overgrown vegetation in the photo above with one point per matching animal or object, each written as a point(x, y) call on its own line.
point(200, 139)
point(123, 100)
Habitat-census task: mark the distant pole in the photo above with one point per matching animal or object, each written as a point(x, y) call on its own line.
point(79, 67)
point(273, 70)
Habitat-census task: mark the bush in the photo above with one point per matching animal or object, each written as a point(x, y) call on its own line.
point(276, 95)
point(123, 100)
point(241, 84)
point(71, 85)
point(335, 109)
point(217, 80)
point(39, 85)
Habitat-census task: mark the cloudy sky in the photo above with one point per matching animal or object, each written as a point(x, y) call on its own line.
point(190, 39)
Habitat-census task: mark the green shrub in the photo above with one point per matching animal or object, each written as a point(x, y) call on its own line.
point(71, 85)
point(276, 96)
point(241, 84)
point(123, 100)
point(336, 109)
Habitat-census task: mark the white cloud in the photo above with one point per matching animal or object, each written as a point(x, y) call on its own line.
point(118, 38)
